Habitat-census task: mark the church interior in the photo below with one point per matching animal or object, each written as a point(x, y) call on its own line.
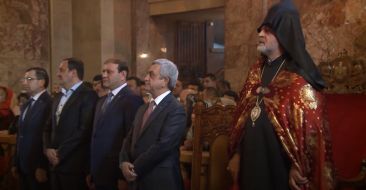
point(200, 37)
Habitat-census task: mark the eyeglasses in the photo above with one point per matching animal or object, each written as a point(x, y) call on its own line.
point(28, 79)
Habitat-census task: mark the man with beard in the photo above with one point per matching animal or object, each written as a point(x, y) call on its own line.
point(280, 139)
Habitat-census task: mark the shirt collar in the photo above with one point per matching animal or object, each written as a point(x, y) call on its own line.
point(116, 90)
point(35, 97)
point(160, 97)
point(72, 89)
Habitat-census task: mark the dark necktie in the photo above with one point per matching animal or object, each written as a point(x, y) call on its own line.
point(28, 109)
point(147, 114)
point(107, 101)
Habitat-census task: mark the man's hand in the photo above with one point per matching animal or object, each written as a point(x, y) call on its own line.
point(52, 156)
point(128, 171)
point(41, 175)
point(234, 166)
point(296, 179)
point(89, 182)
point(14, 172)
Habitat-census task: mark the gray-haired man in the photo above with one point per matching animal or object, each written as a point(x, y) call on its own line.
point(150, 155)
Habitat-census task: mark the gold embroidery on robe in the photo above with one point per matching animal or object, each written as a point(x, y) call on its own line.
point(295, 110)
point(308, 97)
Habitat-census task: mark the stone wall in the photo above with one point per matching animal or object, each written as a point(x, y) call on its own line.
point(92, 31)
point(24, 34)
point(335, 26)
point(330, 27)
point(86, 33)
point(151, 33)
point(143, 32)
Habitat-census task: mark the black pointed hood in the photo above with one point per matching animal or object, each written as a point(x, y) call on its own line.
point(284, 20)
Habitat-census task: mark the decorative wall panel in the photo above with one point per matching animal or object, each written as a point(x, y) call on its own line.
point(24, 34)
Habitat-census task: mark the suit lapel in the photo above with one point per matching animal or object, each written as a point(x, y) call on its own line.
point(159, 108)
point(22, 109)
point(120, 95)
point(137, 123)
point(34, 109)
point(72, 99)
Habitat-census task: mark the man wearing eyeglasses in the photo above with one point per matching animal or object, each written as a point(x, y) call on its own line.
point(68, 140)
point(30, 164)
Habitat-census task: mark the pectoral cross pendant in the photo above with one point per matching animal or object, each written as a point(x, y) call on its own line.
point(254, 114)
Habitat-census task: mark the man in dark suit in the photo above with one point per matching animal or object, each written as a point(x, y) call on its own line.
point(113, 119)
point(68, 140)
point(30, 164)
point(150, 155)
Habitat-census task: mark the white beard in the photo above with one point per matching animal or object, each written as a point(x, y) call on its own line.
point(263, 49)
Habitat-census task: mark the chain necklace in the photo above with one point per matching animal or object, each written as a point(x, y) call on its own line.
point(256, 111)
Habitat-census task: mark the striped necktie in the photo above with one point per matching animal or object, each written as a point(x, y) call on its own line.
point(147, 113)
point(107, 101)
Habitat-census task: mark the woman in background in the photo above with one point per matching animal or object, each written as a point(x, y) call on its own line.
point(6, 115)
point(6, 118)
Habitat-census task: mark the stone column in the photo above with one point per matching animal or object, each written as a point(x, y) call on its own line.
point(123, 30)
point(86, 31)
point(241, 22)
point(142, 25)
point(116, 30)
point(61, 34)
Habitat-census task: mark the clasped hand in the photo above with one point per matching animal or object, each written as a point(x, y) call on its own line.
point(128, 171)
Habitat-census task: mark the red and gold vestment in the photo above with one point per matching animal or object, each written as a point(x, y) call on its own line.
point(296, 111)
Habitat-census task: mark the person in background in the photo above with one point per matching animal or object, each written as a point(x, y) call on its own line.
point(194, 85)
point(98, 86)
point(145, 94)
point(223, 86)
point(56, 89)
point(178, 89)
point(6, 115)
point(134, 84)
point(6, 118)
point(22, 98)
point(230, 98)
point(209, 80)
point(211, 96)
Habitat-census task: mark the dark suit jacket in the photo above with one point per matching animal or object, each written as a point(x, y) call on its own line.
point(29, 150)
point(71, 136)
point(154, 151)
point(109, 131)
